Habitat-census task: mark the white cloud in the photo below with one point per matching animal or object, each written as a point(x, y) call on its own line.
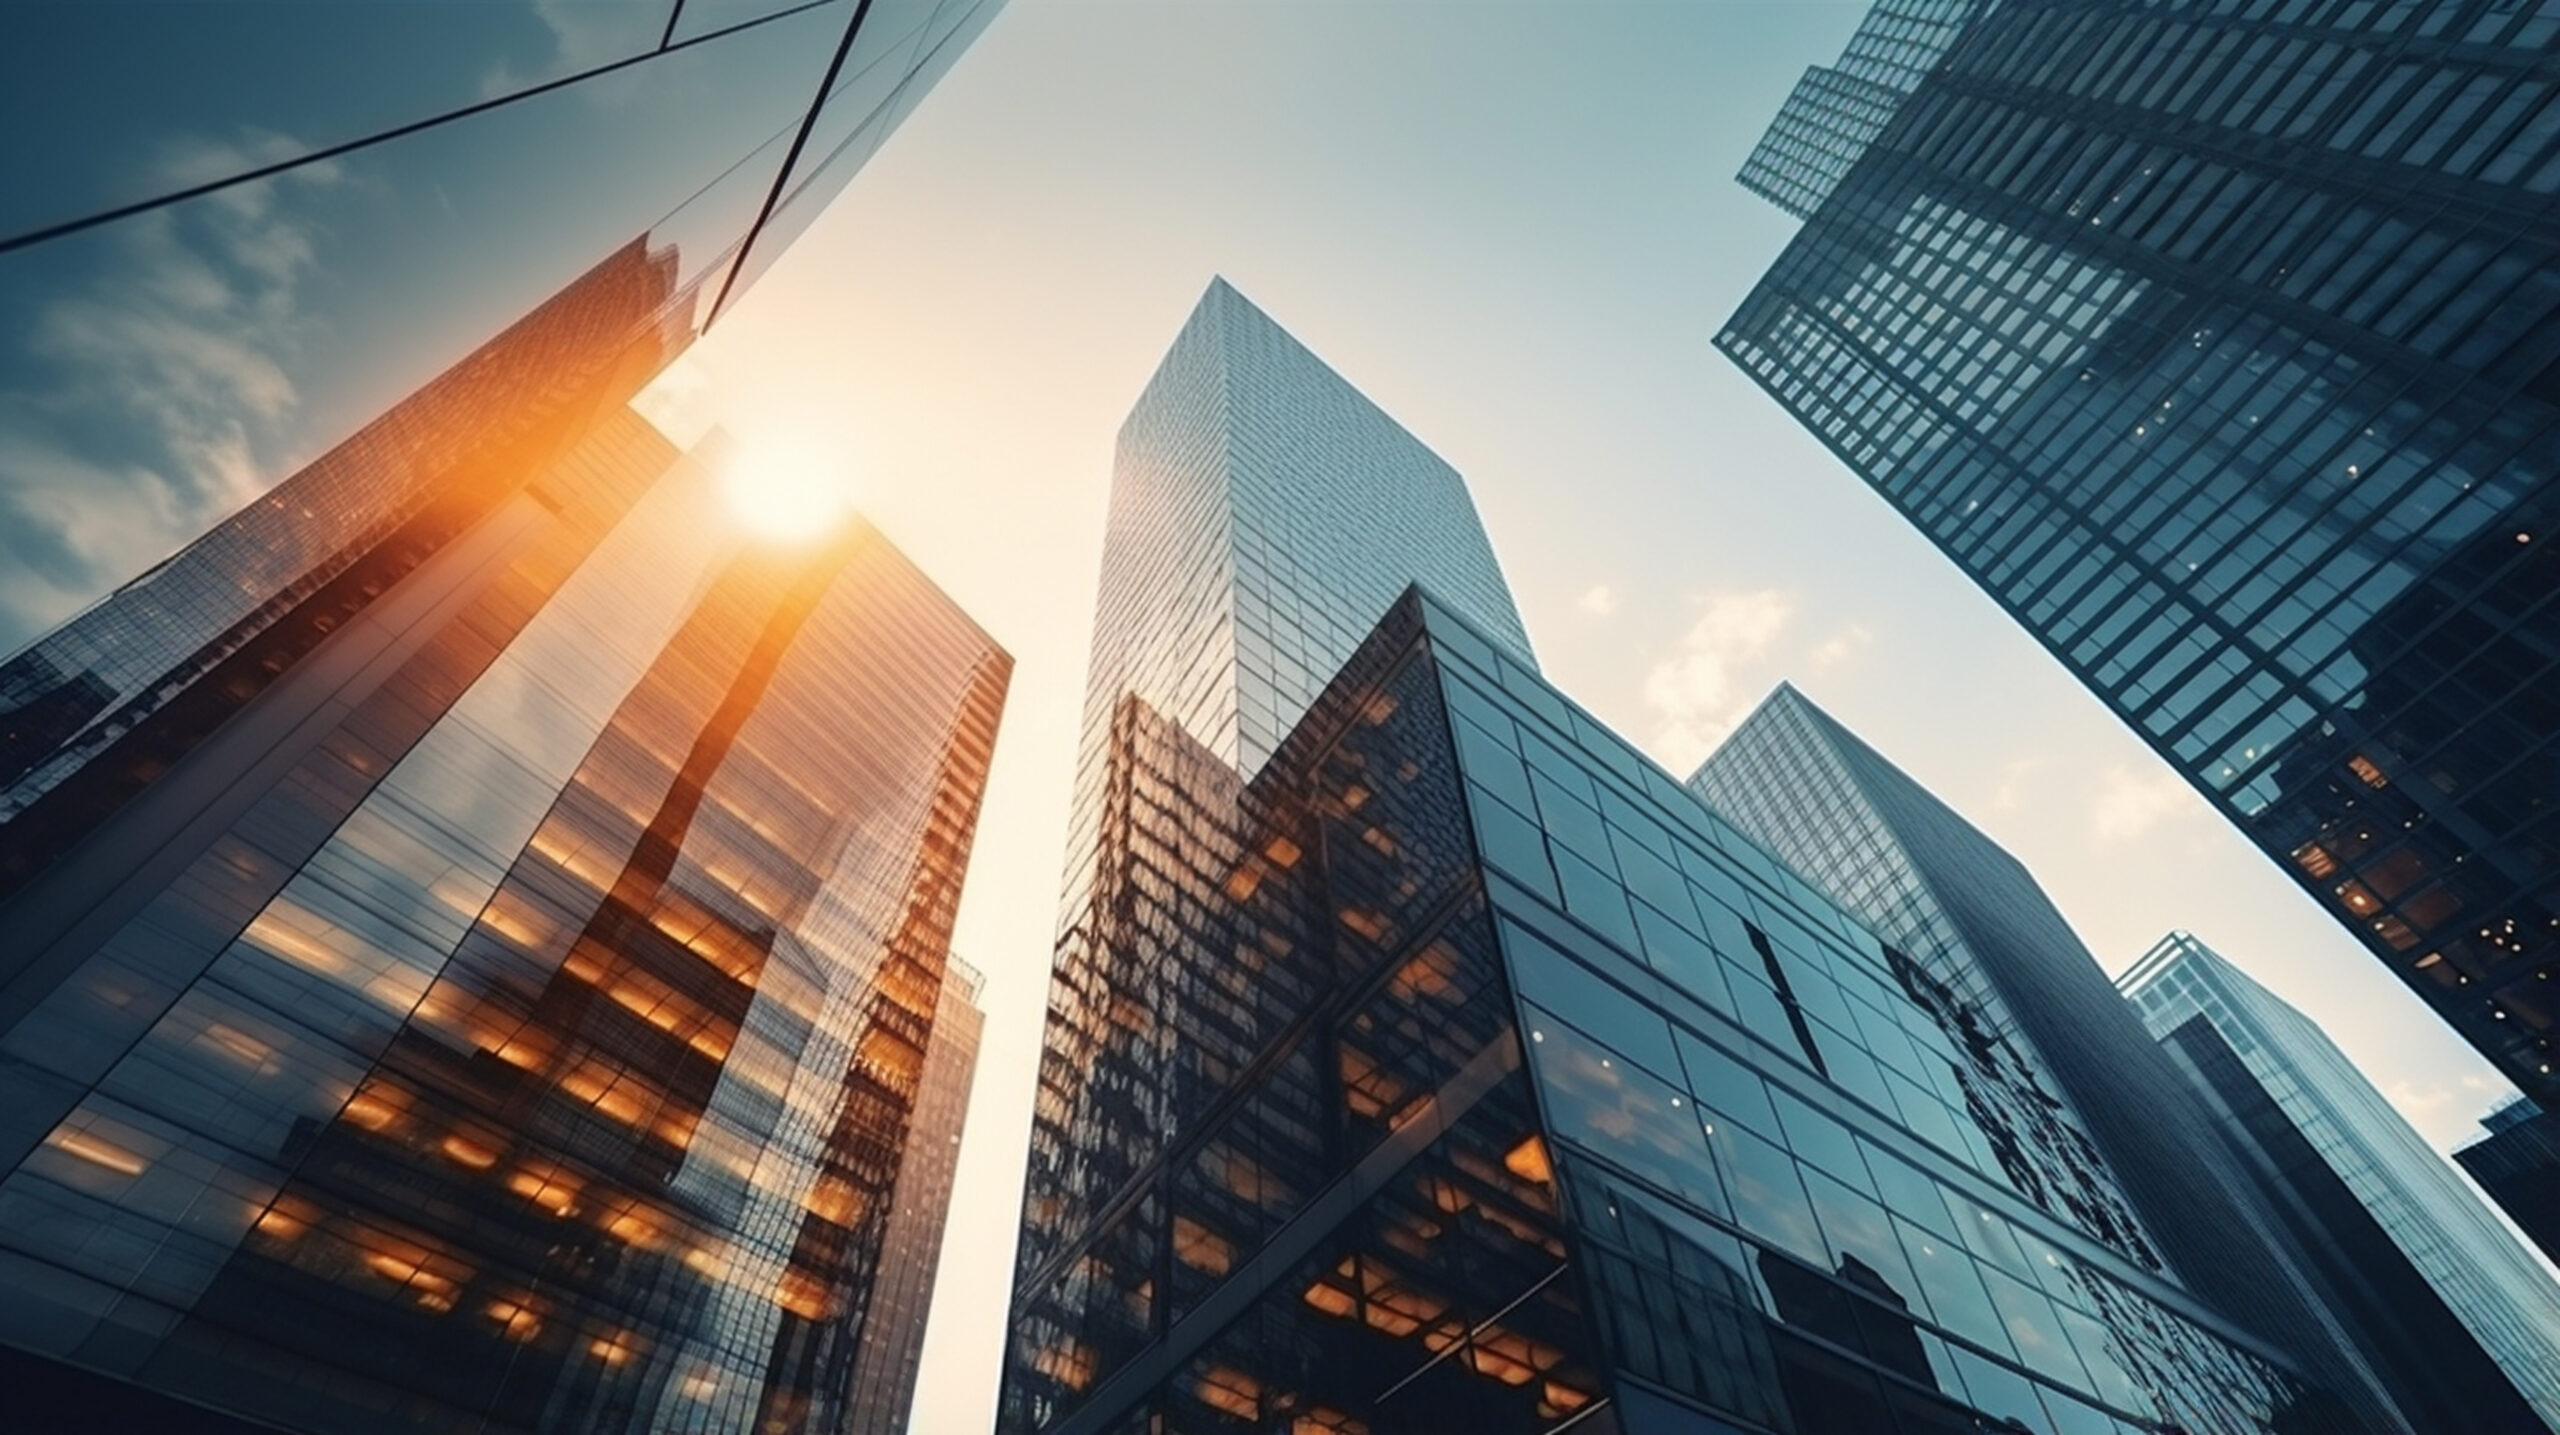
point(1842, 645)
point(1599, 602)
point(2132, 803)
point(146, 397)
point(2011, 794)
point(1696, 692)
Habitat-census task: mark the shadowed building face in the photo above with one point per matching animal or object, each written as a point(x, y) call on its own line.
point(2218, 346)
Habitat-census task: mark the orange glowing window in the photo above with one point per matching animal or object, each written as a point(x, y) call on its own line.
point(2315, 860)
point(546, 1186)
point(516, 1320)
point(1379, 841)
point(1200, 1248)
point(375, 1107)
point(286, 1220)
point(467, 1152)
point(1230, 1391)
point(1282, 852)
point(2362, 766)
point(1324, 1421)
point(1528, 1161)
point(1067, 1363)
point(832, 1199)
point(2358, 899)
point(802, 1294)
point(1331, 1299)
point(612, 1349)
point(627, 1226)
point(1367, 923)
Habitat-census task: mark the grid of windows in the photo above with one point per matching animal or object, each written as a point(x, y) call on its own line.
point(1966, 910)
point(2217, 343)
point(559, 1012)
point(2507, 1301)
point(1729, 1178)
point(1836, 112)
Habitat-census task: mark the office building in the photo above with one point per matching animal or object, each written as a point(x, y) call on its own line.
point(504, 990)
point(1446, 1066)
point(232, 236)
point(2126, 1136)
point(2409, 1243)
point(2517, 1161)
point(2218, 345)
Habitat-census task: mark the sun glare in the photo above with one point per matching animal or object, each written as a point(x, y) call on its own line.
point(788, 492)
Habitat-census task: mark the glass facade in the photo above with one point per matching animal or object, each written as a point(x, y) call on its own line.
point(513, 1011)
point(233, 236)
point(1445, 1065)
point(2218, 344)
point(1970, 918)
point(2518, 1163)
point(2474, 1315)
point(1507, 1089)
point(1836, 111)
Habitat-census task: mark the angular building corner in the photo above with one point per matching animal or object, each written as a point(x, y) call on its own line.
point(474, 925)
point(2465, 1313)
point(519, 1012)
point(2218, 346)
point(1443, 1064)
point(2516, 1159)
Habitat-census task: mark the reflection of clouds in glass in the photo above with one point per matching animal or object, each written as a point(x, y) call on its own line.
point(151, 377)
point(583, 35)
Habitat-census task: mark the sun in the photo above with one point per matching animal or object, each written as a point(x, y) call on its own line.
point(788, 491)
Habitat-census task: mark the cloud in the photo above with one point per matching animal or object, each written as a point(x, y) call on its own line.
point(1599, 602)
point(2011, 794)
point(1842, 645)
point(143, 395)
point(2132, 803)
point(1696, 692)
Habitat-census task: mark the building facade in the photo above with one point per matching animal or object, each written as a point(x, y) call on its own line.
point(232, 238)
point(1446, 1065)
point(512, 1010)
point(2124, 1137)
point(2413, 1247)
point(2217, 344)
point(2517, 1162)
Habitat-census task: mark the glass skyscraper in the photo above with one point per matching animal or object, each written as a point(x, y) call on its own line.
point(231, 236)
point(2221, 345)
point(2517, 1161)
point(2480, 1317)
point(1445, 1065)
point(494, 978)
point(2092, 1117)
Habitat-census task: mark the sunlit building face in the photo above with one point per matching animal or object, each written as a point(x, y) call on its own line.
point(522, 1008)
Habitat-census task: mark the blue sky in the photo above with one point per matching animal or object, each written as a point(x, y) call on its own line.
point(1514, 226)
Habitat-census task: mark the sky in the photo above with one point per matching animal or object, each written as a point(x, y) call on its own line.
point(1514, 227)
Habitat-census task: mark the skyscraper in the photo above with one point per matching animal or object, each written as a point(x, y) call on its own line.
point(2218, 345)
point(2517, 1161)
point(494, 988)
point(232, 236)
point(2120, 1133)
point(1449, 1067)
point(2409, 1242)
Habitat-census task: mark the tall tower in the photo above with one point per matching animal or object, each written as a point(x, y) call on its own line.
point(2222, 349)
point(1450, 1067)
point(2123, 1131)
point(2474, 1314)
point(510, 1012)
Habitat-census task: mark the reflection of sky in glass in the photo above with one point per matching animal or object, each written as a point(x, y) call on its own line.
point(160, 368)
